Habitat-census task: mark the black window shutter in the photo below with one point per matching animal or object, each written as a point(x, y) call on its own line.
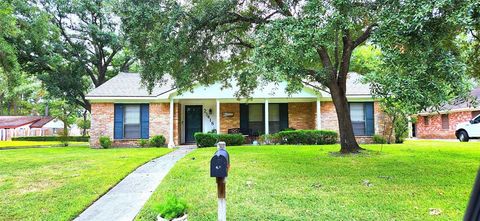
point(118, 121)
point(244, 119)
point(283, 111)
point(369, 119)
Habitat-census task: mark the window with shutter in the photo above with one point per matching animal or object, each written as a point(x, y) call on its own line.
point(131, 122)
point(362, 116)
point(357, 115)
point(426, 120)
point(445, 122)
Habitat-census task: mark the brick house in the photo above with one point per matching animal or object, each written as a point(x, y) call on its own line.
point(442, 124)
point(123, 110)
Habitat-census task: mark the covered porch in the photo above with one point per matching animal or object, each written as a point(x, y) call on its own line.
point(251, 118)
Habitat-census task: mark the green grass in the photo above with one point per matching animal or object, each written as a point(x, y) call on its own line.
point(59, 183)
point(23, 144)
point(311, 183)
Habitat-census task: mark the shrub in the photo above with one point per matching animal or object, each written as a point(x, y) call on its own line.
point(172, 208)
point(209, 139)
point(143, 143)
point(105, 142)
point(269, 139)
point(205, 139)
point(379, 139)
point(308, 137)
point(232, 139)
point(53, 138)
point(157, 141)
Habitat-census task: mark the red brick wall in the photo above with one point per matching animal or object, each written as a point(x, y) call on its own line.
point(229, 122)
point(330, 121)
point(301, 116)
point(434, 129)
point(101, 123)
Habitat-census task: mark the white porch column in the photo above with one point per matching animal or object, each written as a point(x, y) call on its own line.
point(266, 117)
point(410, 127)
point(3, 135)
point(218, 116)
point(171, 144)
point(319, 115)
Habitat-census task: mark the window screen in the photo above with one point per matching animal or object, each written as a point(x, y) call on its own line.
point(255, 119)
point(426, 120)
point(445, 122)
point(273, 118)
point(132, 122)
point(357, 114)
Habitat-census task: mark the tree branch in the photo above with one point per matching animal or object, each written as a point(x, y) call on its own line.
point(283, 8)
point(366, 34)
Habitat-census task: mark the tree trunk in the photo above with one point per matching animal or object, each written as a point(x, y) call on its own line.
point(1, 104)
point(65, 128)
point(347, 138)
point(84, 132)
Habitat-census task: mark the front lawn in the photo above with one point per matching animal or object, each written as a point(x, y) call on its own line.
point(59, 183)
point(28, 144)
point(404, 182)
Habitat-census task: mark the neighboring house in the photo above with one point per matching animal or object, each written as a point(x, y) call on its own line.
point(19, 126)
point(442, 124)
point(123, 110)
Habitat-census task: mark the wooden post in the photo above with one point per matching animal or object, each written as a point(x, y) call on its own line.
point(222, 202)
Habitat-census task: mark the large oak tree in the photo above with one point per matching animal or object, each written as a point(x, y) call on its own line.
point(301, 42)
point(82, 49)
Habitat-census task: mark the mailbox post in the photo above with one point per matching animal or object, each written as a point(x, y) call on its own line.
point(219, 166)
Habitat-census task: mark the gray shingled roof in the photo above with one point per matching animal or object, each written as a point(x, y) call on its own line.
point(128, 85)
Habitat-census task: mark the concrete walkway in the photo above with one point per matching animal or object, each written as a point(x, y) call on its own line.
point(126, 199)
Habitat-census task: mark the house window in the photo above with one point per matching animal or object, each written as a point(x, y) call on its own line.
point(475, 113)
point(357, 114)
point(131, 121)
point(274, 118)
point(255, 119)
point(445, 123)
point(426, 120)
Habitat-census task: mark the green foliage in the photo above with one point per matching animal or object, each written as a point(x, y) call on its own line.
point(64, 111)
point(308, 137)
point(157, 141)
point(379, 139)
point(105, 142)
point(210, 139)
point(143, 143)
point(205, 139)
point(171, 208)
point(53, 138)
point(72, 45)
point(83, 124)
point(270, 138)
point(400, 127)
point(231, 139)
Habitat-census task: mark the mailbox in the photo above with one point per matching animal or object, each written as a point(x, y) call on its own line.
point(219, 164)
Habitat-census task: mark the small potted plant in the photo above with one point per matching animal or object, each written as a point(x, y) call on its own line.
point(172, 209)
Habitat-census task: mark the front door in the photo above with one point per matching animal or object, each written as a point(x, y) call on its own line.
point(193, 122)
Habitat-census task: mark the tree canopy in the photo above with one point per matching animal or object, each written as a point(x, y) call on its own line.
point(78, 45)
